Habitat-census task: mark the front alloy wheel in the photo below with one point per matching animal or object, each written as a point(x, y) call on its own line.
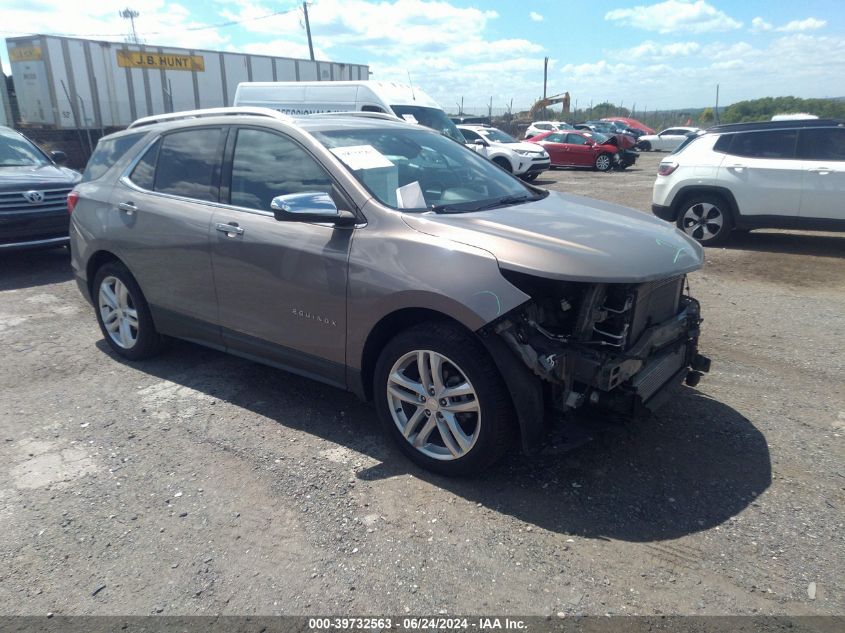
point(434, 405)
point(440, 396)
point(603, 162)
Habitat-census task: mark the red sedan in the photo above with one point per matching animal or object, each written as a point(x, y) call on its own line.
point(572, 148)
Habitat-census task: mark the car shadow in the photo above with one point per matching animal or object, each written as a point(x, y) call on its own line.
point(692, 467)
point(781, 242)
point(24, 269)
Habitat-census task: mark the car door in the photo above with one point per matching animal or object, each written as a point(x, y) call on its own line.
point(474, 141)
point(163, 208)
point(580, 150)
point(555, 147)
point(763, 173)
point(822, 152)
point(669, 139)
point(281, 286)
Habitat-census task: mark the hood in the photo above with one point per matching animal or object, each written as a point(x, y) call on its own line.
point(524, 147)
point(37, 177)
point(571, 238)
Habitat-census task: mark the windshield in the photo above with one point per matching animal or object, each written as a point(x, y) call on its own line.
point(417, 170)
point(598, 137)
point(429, 117)
point(497, 136)
point(16, 151)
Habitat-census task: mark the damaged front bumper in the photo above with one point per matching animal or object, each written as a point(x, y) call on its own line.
point(616, 350)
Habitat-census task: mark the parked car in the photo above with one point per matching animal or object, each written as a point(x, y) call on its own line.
point(666, 141)
point(578, 149)
point(784, 174)
point(626, 141)
point(625, 155)
point(538, 127)
point(33, 194)
point(522, 159)
point(631, 123)
point(384, 258)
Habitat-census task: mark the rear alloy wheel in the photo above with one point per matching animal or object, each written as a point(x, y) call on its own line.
point(440, 396)
point(706, 219)
point(123, 313)
point(604, 162)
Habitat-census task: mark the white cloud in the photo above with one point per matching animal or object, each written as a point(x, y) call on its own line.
point(808, 24)
point(535, 17)
point(651, 49)
point(672, 16)
point(759, 25)
point(742, 70)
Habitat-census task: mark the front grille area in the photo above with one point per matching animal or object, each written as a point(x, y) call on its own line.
point(629, 310)
point(55, 200)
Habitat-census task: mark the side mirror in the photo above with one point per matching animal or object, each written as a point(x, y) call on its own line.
point(480, 142)
point(312, 206)
point(59, 157)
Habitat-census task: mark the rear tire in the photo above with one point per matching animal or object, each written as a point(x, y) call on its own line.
point(707, 219)
point(454, 435)
point(123, 314)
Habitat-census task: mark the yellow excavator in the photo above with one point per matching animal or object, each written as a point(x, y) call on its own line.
point(548, 101)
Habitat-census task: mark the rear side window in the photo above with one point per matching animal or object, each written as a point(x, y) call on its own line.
point(576, 139)
point(107, 153)
point(723, 144)
point(144, 173)
point(189, 164)
point(768, 144)
point(822, 144)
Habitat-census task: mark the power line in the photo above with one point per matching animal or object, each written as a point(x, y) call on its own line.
point(181, 30)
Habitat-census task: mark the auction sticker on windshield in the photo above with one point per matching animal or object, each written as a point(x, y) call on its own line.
point(361, 157)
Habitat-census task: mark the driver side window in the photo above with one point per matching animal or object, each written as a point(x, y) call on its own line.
point(266, 165)
point(576, 139)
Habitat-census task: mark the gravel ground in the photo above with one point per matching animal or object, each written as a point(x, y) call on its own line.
point(199, 483)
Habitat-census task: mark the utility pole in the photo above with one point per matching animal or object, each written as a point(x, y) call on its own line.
point(545, 75)
point(308, 29)
point(716, 109)
point(131, 14)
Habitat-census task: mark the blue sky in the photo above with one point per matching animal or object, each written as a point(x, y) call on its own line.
point(658, 54)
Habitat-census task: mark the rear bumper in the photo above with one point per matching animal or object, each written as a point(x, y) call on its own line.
point(663, 212)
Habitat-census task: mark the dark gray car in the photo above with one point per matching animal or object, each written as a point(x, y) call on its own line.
point(384, 258)
point(33, 194)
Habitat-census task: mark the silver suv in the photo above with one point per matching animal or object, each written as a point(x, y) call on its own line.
point(384, 258)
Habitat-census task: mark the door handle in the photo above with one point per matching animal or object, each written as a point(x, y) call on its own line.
point(820, 170)
point(738, 167)
point(231, 229)
point(128, 207)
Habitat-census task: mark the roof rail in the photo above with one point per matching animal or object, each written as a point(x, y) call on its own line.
point(360, 113)
point(754, 126)
point(209, 112)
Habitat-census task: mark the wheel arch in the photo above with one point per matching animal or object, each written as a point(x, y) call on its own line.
point(688, 192)
point(504, 162)
point(95, 262)
point(385, 329)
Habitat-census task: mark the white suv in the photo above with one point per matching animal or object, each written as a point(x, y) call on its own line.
point(538, 127)
point(777, 174)
point(526, 160)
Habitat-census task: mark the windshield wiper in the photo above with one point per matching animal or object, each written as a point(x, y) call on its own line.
point(460, 207)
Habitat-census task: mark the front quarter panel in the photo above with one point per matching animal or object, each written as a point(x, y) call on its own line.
point(393, 267)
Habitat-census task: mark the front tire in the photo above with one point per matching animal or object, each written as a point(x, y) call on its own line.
point(440, 397)
point(707, 219)
point(503, 163)
point(123, 314)
point(604, 162)
point(530, 177)
point(644, 146)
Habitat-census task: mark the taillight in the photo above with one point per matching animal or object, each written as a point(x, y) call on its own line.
point(666, 168)
point(72, 199)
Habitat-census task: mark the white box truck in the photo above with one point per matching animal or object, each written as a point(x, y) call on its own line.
point(312, 97)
